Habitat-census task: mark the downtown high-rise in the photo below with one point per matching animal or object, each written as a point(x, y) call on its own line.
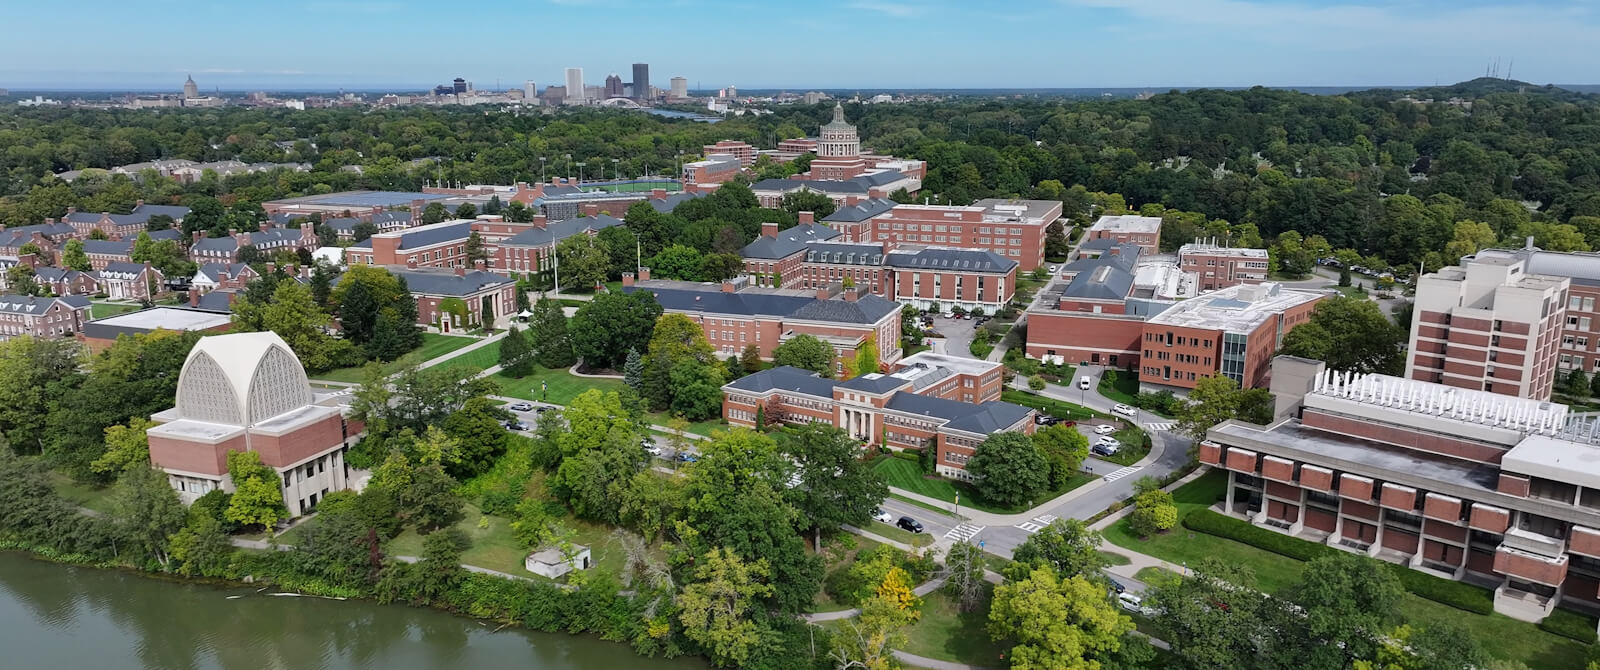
point(575, 94)
point(641, 81)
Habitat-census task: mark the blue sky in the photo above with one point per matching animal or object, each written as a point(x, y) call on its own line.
point(235, 44)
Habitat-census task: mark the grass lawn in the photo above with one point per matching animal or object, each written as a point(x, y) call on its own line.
point(563, 386)
point(1352, 291)
point(1056, 408)
point(83, 495)
point(906, 475)
point(1114, 558)
point(101, 310)
point(948, 634)
point(1153, 574)
point(1501, 636)
point(1133, 446)
point(494, 547)
point(697, 427)
point(899, 535)
point(482, 358)
point(433, 346)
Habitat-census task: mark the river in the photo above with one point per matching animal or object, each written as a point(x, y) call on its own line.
point(62, 618)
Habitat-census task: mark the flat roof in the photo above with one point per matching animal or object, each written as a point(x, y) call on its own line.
point(363, 198)
point(170, 318)
point(966, 366)
point(1557, 459)
point(1128, 223)
point(1207, 249)
point(1234, 309)
point(1001, 208)
point(1403, 466)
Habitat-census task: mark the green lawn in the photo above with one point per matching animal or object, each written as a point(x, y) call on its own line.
point(1056, 408)
point(482, 358)
point(948, 634)
point(83, 495)
point(433, 346)
point(1114, 558)
point(1501, 636)
point(1153, 574)
point(496, 548)
point(906, 475)
point(1133, 446)
point(562, 385)
point(101, 310)
point(1123, 389)
point(1352, 291)
point(897, 534)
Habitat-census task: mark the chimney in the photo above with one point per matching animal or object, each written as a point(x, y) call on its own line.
point(461, 270)
point(851, 295)
point(1529, 243)
point(29, 260)
point(138, 203)
point(194, 298)
point(808, 217)
point(522, 186)
point(658, 194)
point(271, 267)
point(263, 226)
point(727, 286)
point(199, 236)
point(411, 265)
point(539, 221)
point(644, 274)
point(70, 212)
point(627, 279)
point(591, 209)
point(769, 229)
point(480, 265)
point(823, 293)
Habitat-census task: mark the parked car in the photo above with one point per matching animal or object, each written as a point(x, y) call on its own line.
point(908, 523)
point(1102, 450)
point(542, 409)
point(1044, 420)
point(1116, 585)
point(1083, 383)
point(1105, 429)
point(1054, 269)
point(1123, 409)
point(520, 406)
point(516, 425)
point(882, 517)
point(686, 457)
point(650, 447)
point(1134, 603)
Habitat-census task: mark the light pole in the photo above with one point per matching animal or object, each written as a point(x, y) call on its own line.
point(580, 175)
point(616, 165)
point(569, 167)
point(541, 169)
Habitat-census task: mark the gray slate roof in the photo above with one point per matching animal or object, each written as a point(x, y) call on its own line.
point(446, 283)
point(788, 242)
point(55, 274)
point(212, 270)
point(123, 268)
point(223, 244)
point(847, 187)
point(122, 248)
point(946, 258)
point(713, 300)
point(785, 378)
point(18, 304)
point(671, 202)
point(989, 417)
point(867, 309)
point(843, 253)
point(862, 211)
point(216, 301)
point(874, 383)
point(560, 230)
point(1107, 282)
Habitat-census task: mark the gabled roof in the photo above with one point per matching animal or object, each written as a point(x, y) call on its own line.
point(875, 383)
point(425, 236)
point(224, 244)
point(671, 202)
point(560, 230)
point(862, 211)
point(867, 309)
point(446, 282)
point(788, 242)
point(123, 268)
point(785, 378)
point(844, 253)
point(216, 301)
point(846, 187)
point(210, 271)
point(121, 248)
point(949, 258)
point(1106, 282)
point(19, 304)
point(46, 229)
point(989, 417)
point(55, 274)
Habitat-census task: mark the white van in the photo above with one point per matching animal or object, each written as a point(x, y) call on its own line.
point(1083, 383)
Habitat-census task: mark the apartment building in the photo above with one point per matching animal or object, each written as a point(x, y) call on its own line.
point(929, 401)
point(1489, 325)
point(1219, 266)
point(1456, 482)
point(735, 314)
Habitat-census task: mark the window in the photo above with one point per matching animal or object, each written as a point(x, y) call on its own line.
point(1588, 304)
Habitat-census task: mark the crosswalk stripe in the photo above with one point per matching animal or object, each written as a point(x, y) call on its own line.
point(963, 532)
point(1160, 425)
point(1045, 519)
point(1029, 526)
point(1119, 474)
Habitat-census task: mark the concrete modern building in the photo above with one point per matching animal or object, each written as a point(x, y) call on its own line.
point(735, 314)
point(1460, 483)
point(1489, 325)
point(248, 392)
point(1219, 266)
point(1144, 231)
point(680, 88)
point(575, 91)
point(1580, 333)
point(530, 92)
point(613, 86)
point(929, 401)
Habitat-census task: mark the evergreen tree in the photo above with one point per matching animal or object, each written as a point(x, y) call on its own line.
point(494, 206)
point(475, 249)
point(749, 359)
point(633, 370)
point(1577, 384)
point(547, 335)
point(516, 359)
point(392, 336)
point(358, 313)
point(321, 284)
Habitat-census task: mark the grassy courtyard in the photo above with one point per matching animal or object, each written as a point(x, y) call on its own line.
point(946, 633)
point(101, 310)
point(433, 346)
point(496, 548)
point(83, 495)
point(1501, 636)
point(904, 474)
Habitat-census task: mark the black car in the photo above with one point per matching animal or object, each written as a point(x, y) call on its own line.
point(908, 523)
point(1116, 585)
point(542, 409)
point(516, 425)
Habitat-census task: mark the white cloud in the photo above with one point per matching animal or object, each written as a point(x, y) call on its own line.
point(890, 8)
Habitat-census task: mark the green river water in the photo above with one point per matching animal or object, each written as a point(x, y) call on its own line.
point(58, 617)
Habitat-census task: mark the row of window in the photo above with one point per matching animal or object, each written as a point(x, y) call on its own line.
point(1584, 304)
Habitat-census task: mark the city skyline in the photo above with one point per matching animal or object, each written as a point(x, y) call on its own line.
point(1139, 43)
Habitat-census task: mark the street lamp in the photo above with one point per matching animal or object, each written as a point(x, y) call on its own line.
point(541, 169)
point(615, 166)
point(580, 174)
point(569, 167)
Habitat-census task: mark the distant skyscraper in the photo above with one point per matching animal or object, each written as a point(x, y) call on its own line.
point(575, 85)
point(530, 91)
point(680, 87)
point(641, 81)
point(613, 86)
point(191, 89)
point(460, 86)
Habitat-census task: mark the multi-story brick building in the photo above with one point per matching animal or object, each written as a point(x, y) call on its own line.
point(706, 175)
point(1580, 334)
point(129, 281)
point(1220, 267)
point(221, 276)
point(1454, 482)
point(1489, 325)
point(1097, 316)
point(1144, 231)
point(1233, 332)
point(843, 192)
point(42, 317)
point(740, 150)
point(774, 258)
point(438, 245)
point(929, 401)
point(248, 392)
point(65, 281)
point(532, 248)
point(105, 252)
point(734, 314)
point(268, 240)
point(458, 299)
point(118, 226)
point(1014, 229)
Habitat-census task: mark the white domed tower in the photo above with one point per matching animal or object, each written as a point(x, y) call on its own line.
point(839, 138)
point(249, 392)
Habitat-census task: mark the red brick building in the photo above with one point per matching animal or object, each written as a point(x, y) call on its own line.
point(1233, 332)
point(929, 401)
point(1220, 267)
point(1489, 325)
point(742, 151)
point(1454, 482)
point(248, 392)
point(1014, 229)
point(457, 299)
point(706, 175)
point(1144, 231)
point(42, 317)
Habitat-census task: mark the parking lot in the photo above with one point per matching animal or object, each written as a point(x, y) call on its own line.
point(529, 419)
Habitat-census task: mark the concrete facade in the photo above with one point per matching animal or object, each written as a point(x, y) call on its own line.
point(1488, 325)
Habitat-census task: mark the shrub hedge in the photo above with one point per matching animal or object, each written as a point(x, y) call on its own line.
point(1568, 623)
point(1460, 595)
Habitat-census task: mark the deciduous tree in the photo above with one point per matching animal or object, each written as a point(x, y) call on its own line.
point(1009, 469)
point(836, 486)
point(717, 609)
point(1057, 622)
point(805, 352)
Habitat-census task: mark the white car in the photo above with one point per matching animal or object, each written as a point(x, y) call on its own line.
point(883, 517)
point(1105, 429)
point(1054, 269)
point(652, 449)
point(1125, 410)
point(1134, 603)
point(1083, 383)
